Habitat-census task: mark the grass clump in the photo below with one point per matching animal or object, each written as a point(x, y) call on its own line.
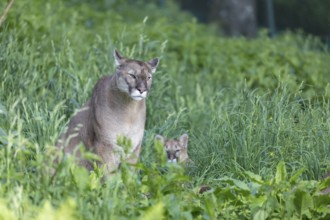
point(257, 113)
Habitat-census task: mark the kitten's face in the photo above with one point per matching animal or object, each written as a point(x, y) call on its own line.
point(134, 77)
point(176, 150)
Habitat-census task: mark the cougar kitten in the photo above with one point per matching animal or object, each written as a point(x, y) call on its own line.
point(176, 150)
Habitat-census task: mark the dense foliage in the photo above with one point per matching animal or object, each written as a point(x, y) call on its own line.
point(308, 15)
point(257, 113)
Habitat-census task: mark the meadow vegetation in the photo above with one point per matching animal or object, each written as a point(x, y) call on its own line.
point(257, 113)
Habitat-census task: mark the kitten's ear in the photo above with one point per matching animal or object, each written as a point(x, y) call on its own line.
point(160, 138)
point(153, 64)
point(119, 59)
point(184, 140)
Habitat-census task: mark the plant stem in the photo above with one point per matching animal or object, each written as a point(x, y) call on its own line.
point(2, 18)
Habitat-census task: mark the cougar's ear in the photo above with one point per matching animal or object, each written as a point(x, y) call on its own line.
point(153, 64)
point(119, 59)
point(184, 140)
point(160, 138)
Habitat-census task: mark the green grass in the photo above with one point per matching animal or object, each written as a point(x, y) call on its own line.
point(257, 113)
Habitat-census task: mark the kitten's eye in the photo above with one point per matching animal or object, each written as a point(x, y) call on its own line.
point(132, 75)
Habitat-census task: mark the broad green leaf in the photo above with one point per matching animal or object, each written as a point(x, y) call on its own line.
point(160, 153)
point(322, 203)
point(289, 204)
point(303, 203)
point(210, 204)
point(67, 210)
point(272, 203)
point(325, 183)
point(233, 182)
point(296, 175)
point(280, 172)
point(258, 201)
point(224, 194)
point(5, 212)
point(154, 213)
point(254, 177)
point(94, 181)
point(241, 185)
point(260, 215)
point(80, 176)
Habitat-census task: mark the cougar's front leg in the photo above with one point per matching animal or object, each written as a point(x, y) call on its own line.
point(108, 156)
point(134, 157)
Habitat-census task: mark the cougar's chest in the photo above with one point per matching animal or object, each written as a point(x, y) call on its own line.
point(132, 134)
point(118, 129)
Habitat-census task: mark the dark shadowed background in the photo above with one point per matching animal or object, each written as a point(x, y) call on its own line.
point(245, 17)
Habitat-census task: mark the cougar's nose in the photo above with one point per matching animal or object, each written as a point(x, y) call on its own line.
point(141, 89)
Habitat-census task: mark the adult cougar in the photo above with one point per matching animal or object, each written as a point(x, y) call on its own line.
point(116, 109)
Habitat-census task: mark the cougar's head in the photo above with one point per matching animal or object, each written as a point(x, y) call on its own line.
point(134, 77)
point(176, 150)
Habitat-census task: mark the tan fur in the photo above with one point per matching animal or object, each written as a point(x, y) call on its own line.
point(116, 109)
point(176, 150)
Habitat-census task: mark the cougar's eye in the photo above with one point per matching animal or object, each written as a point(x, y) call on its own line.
point(149, 78)
point(132, 75)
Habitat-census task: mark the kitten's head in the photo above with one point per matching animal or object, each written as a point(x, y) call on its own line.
point(134, 77)
point(176, 149)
